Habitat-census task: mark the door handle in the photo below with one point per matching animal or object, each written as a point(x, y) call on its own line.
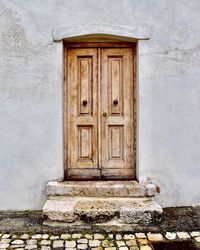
point(104, 114)
point(115, 102)
point(84, 102)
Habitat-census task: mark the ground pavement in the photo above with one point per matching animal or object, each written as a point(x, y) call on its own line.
point(97, 241)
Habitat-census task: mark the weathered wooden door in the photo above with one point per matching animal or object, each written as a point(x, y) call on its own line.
point(100, 129)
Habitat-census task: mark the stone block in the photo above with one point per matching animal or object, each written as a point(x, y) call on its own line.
point(100, 189)
point(141, 212)
point(96, 210)
point(60, 210)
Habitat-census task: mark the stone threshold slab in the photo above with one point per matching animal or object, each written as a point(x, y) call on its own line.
point(101, 188)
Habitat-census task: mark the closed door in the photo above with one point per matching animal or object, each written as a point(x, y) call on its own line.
point(99, 108)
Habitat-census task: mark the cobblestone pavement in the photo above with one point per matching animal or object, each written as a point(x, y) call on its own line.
point(137, 241)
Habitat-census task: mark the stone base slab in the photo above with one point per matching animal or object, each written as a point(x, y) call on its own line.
point(137, 211)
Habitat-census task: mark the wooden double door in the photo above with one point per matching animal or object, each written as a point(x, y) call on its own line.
point(99, 111)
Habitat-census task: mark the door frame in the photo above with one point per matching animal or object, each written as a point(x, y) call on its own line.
point(97, 44)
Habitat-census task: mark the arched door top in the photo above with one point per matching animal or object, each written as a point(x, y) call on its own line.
point(99, 32)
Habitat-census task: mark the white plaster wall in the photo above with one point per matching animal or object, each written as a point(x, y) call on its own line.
point(31, 137)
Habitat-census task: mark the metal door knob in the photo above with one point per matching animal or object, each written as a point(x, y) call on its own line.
point(104, 114)
point(84, 102)
point(115, 102)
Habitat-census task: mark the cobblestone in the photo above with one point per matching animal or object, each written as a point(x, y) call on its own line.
point(183, 235)
point(197, 239)
point(170, 236)
point(195, 233)
point(58, 243)
point(36, 236)
point(65, 236)
point(89, 241)
point(45, 236)
point(154, 237)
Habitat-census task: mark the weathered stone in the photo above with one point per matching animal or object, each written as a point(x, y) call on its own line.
point(134, 248)
point(140, 211)
point(197, 239)
point(195, 233)
point(183, 235)
point(24, 236)
point(110, 248)
point(150, 189)
point(5, 236)
point(94, 243)
point(129, 237)
point(36, 236)
point(145, 248)
point(58, 243)
point(96, 210)
point(100, 188)
point(70, 243)
point(76, 236)
point(120, 243)
point(130, 209)
point(123, 248)
point(118, 237)
point(170, 236)
point(4, 246)
point(99, 236)
point(45, 236)
point(31, 242)
point(155, 237)
point(142, 241)
point(54, 237)
point(60, 210)
point(65, 236)
point(17, 242)
point(110, 236)
point(30, 247)
point(45, 248)
point(82, 246)
point(45, 242)
point(131, 243)
point(140, 235)
point(88, 236)
point(82, 241)
point(17, 246)
point(106, 243)
point(5, 241)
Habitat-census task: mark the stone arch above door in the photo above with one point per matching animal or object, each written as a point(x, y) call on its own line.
point(99, 31)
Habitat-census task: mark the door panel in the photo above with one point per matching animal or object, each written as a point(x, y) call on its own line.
point(117, 132)
point(82, 112)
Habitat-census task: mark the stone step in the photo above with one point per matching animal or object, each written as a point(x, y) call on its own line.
point(129, 210)
point(100, 189)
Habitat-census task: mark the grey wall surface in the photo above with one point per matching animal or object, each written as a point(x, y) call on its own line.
point(31, 88)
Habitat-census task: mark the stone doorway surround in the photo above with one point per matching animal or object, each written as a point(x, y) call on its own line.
point(109, 205)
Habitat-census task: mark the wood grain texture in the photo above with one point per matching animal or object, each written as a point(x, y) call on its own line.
point(100, 134)
point(117, 126)
point(82, 118)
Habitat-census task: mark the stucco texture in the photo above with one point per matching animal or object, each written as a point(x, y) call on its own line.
point(31, 90)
